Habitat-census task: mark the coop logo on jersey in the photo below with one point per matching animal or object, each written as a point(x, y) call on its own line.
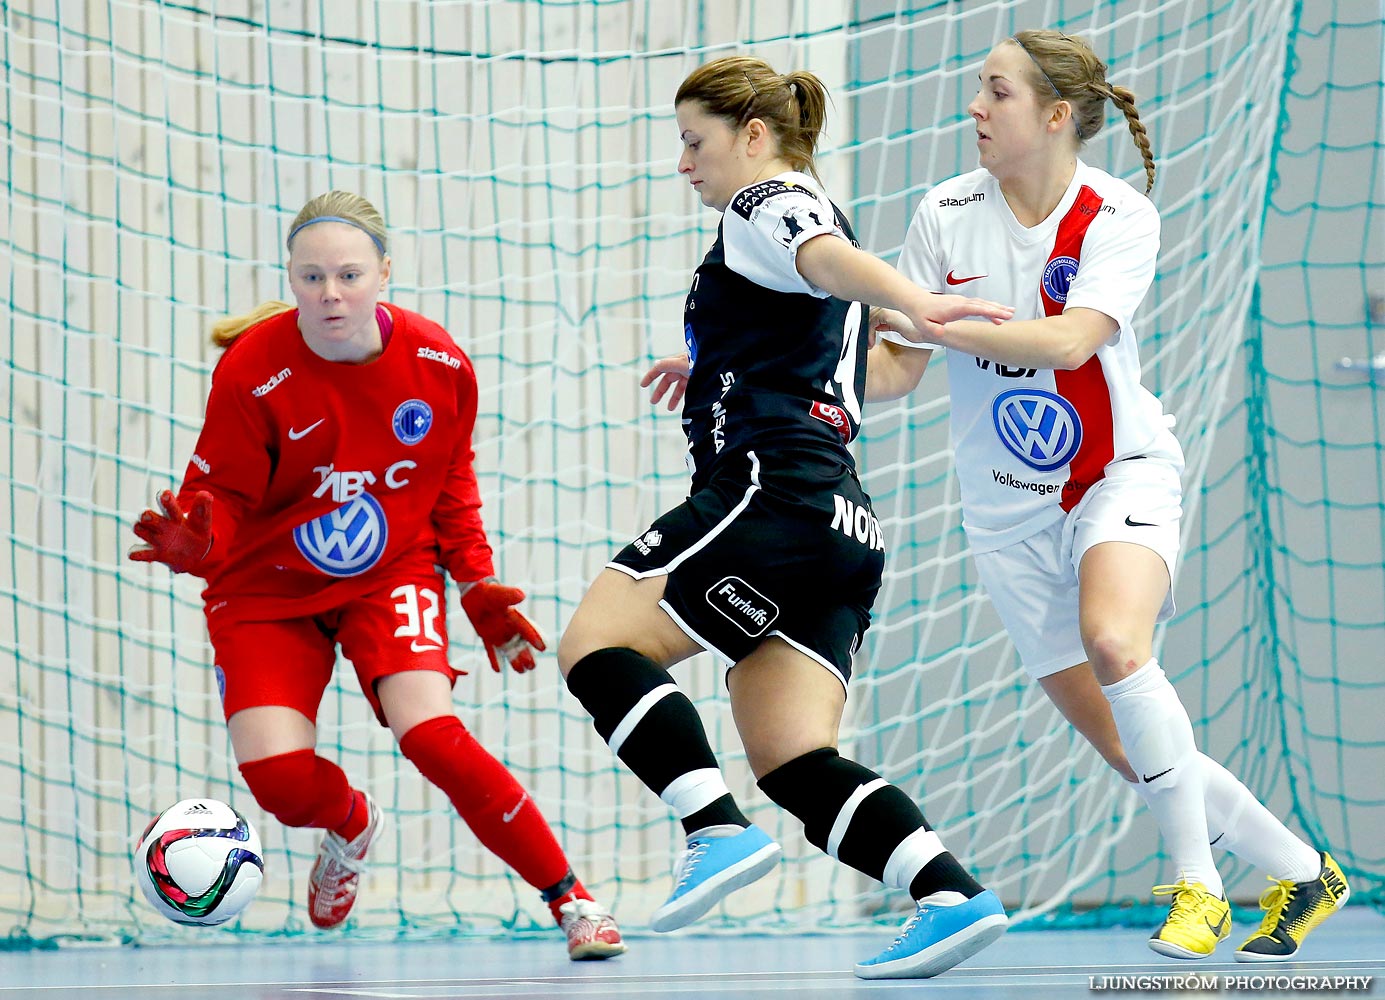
point(346, 541)
point(412, 420)
point(833, 415)
point(1041, 429)
point(1058, 275)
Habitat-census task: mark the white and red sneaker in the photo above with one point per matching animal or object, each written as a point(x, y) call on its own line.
point(591, 930)
point(336, 874)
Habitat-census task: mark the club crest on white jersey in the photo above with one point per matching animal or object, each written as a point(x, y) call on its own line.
point(347, 541)
point(1057, 278)
point(1040, 428)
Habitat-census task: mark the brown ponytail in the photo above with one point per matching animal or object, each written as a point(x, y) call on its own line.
point(1065, 68)
point(739, 88)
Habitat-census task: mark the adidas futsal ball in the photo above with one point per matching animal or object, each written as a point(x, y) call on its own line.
point(199, 862)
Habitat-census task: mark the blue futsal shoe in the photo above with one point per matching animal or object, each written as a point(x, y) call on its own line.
point(710, 870)
point(937, 937)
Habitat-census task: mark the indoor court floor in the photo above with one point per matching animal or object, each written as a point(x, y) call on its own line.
point(1033, 965)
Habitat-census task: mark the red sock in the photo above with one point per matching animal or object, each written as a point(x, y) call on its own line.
point(303, 789)
point(356, 820)
point(486, 795)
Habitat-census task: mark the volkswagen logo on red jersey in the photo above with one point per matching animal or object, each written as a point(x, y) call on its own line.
point(412, 419)
point(1041, 429)
point(1058, 275)
point(347, 541)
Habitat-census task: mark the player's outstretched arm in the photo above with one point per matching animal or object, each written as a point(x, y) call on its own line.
point(1062, 342)
point(837, 267)
point(503, 630)
point(178, 540)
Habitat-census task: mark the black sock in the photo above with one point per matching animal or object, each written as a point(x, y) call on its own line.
point(821, 787)
point(722, 812)
point(660, 740)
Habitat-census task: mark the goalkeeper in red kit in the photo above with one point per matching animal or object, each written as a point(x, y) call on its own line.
point(331, 487)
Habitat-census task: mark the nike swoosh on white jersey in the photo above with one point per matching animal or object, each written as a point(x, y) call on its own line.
point(422, 647)
point(295, 435)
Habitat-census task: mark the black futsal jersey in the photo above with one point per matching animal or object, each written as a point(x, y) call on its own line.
point(773, 358)
point(777, 537)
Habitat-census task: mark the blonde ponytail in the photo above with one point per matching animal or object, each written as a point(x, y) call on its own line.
point(227, 329)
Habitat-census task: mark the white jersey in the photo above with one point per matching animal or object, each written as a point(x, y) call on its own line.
point(1029, 443)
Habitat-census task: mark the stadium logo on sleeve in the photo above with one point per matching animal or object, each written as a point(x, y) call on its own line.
point(1039, 428)
point(412, 420)
point(1058, 277)
point(347, 541)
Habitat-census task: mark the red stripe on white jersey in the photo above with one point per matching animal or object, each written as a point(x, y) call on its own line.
point(1085, 388)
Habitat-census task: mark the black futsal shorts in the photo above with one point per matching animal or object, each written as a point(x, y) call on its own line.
point(778, 544)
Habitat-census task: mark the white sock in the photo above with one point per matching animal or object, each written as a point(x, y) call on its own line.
point(942, 897)
point(1240, 823)
point(1158, 737)
point(722, 830)
point(695, 790)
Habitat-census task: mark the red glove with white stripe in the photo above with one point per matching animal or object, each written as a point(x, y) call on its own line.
point(178, 540)
point(490, 606)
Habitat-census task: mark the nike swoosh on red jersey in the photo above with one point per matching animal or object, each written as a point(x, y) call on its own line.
point(952, 279)
point(295, 435)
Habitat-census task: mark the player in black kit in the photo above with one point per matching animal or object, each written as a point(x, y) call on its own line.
point(774, 560)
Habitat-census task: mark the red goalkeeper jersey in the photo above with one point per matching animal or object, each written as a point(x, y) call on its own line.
point(327, 475)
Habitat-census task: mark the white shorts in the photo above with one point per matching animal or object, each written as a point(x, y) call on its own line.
point(1033, 583)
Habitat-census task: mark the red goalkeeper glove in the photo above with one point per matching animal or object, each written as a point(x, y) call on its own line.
point(490, 606)
point(178, 540)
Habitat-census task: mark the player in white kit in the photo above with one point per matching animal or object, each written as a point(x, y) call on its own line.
point(1070, 475)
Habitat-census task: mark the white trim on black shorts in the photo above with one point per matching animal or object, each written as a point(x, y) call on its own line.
point(702, 543)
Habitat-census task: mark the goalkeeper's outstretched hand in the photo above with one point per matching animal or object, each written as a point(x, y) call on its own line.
point(491, 607)
point(179, 541)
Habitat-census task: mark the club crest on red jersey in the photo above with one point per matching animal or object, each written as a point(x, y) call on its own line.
point(412, 420)
point(346, 541)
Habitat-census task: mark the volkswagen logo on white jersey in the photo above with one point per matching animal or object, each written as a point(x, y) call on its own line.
point(1041, 429)
point(347, 541)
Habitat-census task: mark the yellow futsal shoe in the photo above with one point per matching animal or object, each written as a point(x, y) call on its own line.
point(1292, 909)
point(1197, 920)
